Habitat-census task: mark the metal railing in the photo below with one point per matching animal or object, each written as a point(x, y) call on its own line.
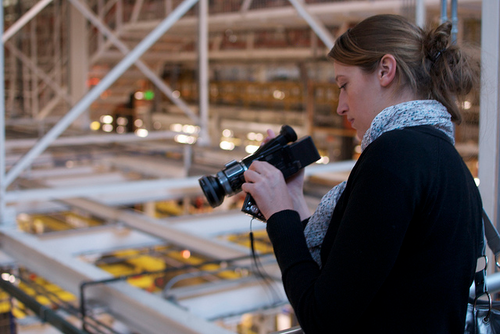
point(292, 330)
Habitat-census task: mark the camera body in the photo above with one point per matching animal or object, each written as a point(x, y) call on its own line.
point(283, 152)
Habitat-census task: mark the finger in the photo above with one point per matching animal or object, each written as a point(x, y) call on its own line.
point(253, 165)
point(259, 166)
point(248, 187)
point(270, 135)
point(251, 176)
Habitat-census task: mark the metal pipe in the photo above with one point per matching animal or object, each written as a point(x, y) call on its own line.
point(93, 94)
point(293, 330)
point(24, 19)
point(454, 21)
point(444, 11)
point(193, 274)
point(42, 311)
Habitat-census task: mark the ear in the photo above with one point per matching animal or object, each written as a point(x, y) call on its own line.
point(386, 70)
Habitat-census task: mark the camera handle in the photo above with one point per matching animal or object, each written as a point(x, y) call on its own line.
point(250, 207)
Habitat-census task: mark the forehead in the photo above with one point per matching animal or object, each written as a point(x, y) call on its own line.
point(351, 73)
point(345, 71)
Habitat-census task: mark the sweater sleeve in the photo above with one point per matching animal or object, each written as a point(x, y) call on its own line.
point(285, 229)
point(369, 233)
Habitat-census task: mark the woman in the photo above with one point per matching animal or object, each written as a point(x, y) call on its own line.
point(393, 249)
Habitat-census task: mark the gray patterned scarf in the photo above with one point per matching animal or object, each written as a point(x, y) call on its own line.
point(407, 114)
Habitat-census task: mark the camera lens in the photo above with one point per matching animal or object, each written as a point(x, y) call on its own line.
point(212, 189)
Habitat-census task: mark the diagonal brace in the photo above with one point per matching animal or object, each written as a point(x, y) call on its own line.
point(314, 23)
point(21, 22)
point(41, 74)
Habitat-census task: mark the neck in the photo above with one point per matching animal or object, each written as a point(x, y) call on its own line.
point(401, 95)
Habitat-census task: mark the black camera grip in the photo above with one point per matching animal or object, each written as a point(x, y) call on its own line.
point(250, 207)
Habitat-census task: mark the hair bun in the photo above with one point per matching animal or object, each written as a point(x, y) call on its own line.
point(437, 40)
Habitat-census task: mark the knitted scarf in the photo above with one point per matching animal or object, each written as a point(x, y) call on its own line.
point(400, 116)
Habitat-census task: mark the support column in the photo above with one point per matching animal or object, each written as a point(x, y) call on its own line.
point(420, 16)
point(489, 121)
point(204, 139)
point(79, 63)
point(7, 214)
point(3, 186)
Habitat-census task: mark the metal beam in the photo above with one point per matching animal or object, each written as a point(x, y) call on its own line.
point(100, 51)
point(211, 248)
point(420, 16)
point(3, 186)
point(50, 106)
point(162, 86)
point(245, 6)
point(314, 23)
point(78, 66)
point(337, 12)
point(203, 71)
point(489, 117)
point(293, 53)
point(165, 186)
point(24, 19)
point(33, 78)
point(93, 139)
point(136, 11)
point(41, 74)
point(93, 94)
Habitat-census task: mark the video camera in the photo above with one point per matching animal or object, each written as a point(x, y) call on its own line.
point(288, 158)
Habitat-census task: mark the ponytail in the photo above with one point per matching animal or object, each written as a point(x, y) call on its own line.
point(452, 75)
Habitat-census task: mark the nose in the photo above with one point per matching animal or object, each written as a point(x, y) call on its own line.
point(341, 107)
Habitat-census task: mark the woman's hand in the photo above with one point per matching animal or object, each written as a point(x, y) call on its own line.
point(271, 192)
point(295, 182)
point(268, 188)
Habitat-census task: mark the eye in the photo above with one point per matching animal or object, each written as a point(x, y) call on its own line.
point(343, 86)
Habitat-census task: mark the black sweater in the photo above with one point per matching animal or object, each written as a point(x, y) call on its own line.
point(400, 252)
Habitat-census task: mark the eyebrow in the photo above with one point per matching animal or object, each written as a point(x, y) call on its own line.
point(338, 76)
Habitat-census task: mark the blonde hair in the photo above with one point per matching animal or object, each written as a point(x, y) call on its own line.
point(427, 62)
